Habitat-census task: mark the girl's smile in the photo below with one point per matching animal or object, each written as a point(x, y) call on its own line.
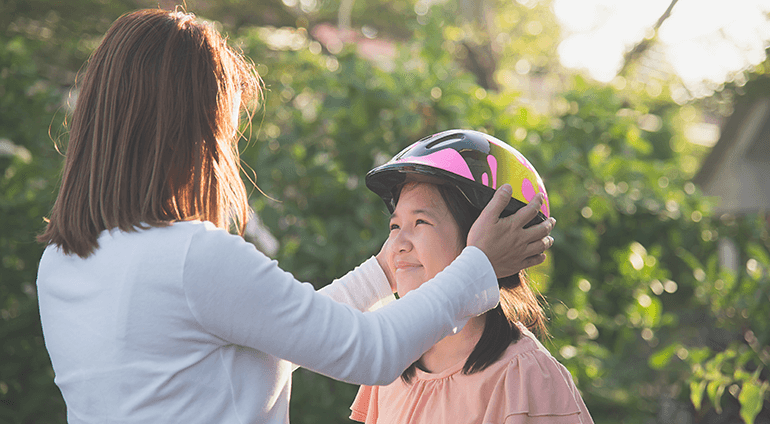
point(424, 238)
point(406, 266)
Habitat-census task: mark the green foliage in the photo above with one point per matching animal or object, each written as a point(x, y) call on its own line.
point(39, 54)
point(27, 181)
point(316, 399)
point(736, 298)
point(625, 274)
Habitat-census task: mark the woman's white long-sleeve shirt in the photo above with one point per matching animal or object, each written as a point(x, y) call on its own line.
point(190, 324)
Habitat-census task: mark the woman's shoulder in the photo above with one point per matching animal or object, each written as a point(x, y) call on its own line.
point(142, 237)
point(176, 236)
point(186, 233)
point(154, 233)
point(194, 227)
point(207, 236)
point(188, 240)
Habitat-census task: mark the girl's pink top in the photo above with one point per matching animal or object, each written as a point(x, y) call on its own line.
point(526, 385)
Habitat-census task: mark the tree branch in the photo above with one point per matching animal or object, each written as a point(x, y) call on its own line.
point(344, 14)
point(634, 54)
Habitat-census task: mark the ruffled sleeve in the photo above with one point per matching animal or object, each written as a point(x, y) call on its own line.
point(536, 389)
point(364, 407)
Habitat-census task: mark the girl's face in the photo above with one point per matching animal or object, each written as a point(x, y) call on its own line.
point(424, 237)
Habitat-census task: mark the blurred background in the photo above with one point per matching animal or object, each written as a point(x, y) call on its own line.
point(649, 122)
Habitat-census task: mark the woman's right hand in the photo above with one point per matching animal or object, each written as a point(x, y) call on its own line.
point(509, 246)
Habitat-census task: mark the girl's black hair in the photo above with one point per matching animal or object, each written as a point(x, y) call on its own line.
point(518, 302)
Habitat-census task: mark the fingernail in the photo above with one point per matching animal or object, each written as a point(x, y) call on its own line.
point(507, 189)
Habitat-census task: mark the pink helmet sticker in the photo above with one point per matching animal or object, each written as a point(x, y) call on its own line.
point(446, 159)
point(546, 209)
point(527, 190)
point(492, 161)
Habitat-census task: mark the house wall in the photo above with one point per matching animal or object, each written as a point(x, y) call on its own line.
point(741, 180)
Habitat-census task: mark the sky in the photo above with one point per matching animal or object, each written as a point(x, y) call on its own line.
point(703, 41)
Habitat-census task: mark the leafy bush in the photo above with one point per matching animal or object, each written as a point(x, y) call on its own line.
point(28, 177)
point(626, 291)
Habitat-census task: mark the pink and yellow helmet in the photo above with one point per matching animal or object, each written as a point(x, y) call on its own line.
point(476, 163)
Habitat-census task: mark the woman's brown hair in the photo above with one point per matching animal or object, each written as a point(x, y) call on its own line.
point(518, 301)
point(152, 138)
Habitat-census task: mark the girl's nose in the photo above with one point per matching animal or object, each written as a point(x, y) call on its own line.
point(402, 241)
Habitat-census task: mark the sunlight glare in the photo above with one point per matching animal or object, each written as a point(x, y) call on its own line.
point(702, 40)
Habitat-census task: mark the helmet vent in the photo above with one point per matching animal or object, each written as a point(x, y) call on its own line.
point(450, 137)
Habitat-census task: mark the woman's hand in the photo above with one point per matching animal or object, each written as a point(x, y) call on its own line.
point(508, 245)
point(384, 265)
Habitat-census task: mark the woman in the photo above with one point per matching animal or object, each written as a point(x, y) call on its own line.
point(494, 370)
point(152, 311)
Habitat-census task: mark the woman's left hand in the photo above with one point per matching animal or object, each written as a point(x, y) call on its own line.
point(381, 259)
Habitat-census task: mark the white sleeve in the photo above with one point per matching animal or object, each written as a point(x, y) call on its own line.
point(361, 288)
point(238, 294)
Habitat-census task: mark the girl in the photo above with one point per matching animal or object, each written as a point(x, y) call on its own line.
point(494, 370)
point(153, 312)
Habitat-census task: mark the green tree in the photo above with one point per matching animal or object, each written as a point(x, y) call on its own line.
point(622, 279)
point(27, 178)
point(39, 54)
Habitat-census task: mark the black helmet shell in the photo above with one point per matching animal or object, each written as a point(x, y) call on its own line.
point(476, 163)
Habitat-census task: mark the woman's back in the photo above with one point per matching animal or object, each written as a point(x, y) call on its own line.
point(125, 342)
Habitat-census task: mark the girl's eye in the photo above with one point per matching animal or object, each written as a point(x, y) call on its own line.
point(394, 227)
point(420, 221)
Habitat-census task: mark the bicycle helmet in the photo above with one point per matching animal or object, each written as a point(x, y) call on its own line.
point(474, 162)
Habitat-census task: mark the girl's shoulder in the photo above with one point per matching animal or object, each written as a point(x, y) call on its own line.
point(529, 359)
point(533, 383)
point(527, 344)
